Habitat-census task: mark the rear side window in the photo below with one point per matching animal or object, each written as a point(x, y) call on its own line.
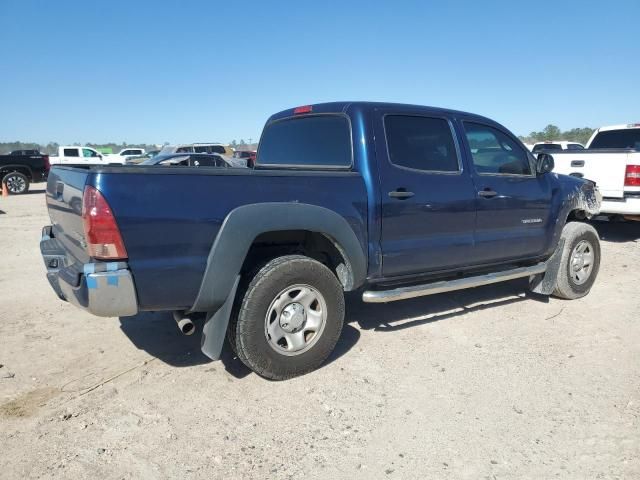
point(207, 161)
point(494, 152)
point(209, 149)
point(71, 152)
point(421, 143)
point(629, 138)
point(313, 141)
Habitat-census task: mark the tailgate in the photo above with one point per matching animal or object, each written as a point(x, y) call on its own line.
point(607, 169)
point(65, 187)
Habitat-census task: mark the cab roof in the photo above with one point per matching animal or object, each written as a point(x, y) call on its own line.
point(347, 107)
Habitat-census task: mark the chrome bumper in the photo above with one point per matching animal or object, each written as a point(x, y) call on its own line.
point(103, 289)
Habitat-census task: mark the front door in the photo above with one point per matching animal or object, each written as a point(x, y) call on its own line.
point(513, 203)
point(428, 201)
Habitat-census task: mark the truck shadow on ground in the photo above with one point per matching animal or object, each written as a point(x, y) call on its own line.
point(617, 231)
point(157, 334)
point(420, 311)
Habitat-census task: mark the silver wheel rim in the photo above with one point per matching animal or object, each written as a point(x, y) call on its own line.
point(295, 319)
point(15, 184)
point(581, 263)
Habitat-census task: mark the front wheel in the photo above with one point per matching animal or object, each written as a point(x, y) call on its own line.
point(16, 182)
point(580, 261)
point(287, 318)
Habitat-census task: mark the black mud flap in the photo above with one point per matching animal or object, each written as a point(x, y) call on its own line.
point(215, 326)
point(545, 283)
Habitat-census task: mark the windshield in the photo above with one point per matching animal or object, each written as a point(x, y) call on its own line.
point(627, 138)
point(547, 146)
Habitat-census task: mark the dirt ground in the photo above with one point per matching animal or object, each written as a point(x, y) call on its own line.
point(486, 383)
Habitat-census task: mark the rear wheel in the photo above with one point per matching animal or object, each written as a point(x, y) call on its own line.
point(17, 183)
point(580, 261)
point(287, 318)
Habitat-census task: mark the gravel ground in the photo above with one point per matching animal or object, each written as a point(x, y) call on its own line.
point(486, 383)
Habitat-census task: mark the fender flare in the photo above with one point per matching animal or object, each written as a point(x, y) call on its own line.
point(243, 224)
point(7, 169)
point(582, 196)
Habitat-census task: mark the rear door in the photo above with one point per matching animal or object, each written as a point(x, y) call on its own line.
point(428, 203)
point(513, 203)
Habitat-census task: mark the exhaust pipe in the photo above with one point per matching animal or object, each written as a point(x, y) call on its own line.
point(185, 324)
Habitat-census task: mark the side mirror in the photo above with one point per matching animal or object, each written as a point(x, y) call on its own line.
point(544, 163)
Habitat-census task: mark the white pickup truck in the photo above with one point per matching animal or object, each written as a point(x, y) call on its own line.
point(611, 159)
point(83, 155)
point(124, 154)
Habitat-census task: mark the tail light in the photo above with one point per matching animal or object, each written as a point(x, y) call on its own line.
point(101, 231)
point(47, 165)
point(632, 176)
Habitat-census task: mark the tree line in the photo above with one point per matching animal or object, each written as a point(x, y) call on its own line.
point(552, 132)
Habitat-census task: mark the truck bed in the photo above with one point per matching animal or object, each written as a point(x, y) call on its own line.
point(169, 216)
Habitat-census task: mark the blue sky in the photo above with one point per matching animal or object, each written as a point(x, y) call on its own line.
point(184, 71)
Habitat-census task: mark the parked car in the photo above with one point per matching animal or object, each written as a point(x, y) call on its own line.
point(124, 154)
point(141, 158)
point(248, 156)
point(21, 168)
point(612, 161)
point(218, 148)
point(188, 160)
point(393, 201)
point(556, 146)
point(84, 155)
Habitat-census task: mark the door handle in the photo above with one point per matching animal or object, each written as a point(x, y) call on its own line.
point(401, 194)
point(577, 163)
point(487, 193)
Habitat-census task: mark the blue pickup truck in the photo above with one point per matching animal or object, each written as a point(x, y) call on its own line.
point(393, 201)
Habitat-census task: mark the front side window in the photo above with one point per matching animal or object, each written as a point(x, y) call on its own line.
point(421, 143)
point(87, 153)
point(494, 152)
point(313, 141)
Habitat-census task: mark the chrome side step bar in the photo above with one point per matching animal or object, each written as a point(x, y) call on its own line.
point(403, 293)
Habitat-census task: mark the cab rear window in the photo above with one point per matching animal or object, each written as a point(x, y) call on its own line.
point(629, 138)
point(322, 141)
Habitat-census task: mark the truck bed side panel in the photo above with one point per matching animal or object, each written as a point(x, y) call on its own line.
point(169, 217)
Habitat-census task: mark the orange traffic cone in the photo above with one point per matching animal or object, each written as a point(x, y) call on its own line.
point(5, 192)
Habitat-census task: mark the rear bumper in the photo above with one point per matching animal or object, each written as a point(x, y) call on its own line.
point(103, 289)
point(623, 206)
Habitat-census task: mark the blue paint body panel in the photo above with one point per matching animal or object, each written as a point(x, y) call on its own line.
point(169, 216)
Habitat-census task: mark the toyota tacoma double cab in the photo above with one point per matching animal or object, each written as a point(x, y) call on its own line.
point(393, 201)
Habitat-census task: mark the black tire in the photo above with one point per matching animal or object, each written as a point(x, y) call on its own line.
point(248, 323)
point(567, 285)
point(17, 183)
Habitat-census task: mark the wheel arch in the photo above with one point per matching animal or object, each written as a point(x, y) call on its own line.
point(24, 169)
point(258, 224)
